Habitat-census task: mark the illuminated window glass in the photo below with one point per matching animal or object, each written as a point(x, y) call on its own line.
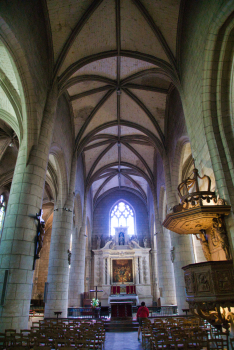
point(122, 215)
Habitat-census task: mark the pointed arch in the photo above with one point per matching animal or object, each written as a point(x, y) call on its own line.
point(122, 212)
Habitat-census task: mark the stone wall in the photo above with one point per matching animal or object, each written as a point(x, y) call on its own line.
point(101, 215)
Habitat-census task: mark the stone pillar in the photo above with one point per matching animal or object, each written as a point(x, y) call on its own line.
point(72, 277)
point(104, 271)
point(141, 279)
point(137, 270)
point(35, 279)
point(183, 252)
point(165, 268)
point(18, 238)
point(154, 274)
point(77, 270)
point(58, 271)
point(87, 272)
point(147, 268)
point(108, 271)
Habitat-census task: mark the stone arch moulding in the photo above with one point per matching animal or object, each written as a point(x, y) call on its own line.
point(28, 98)
point(162, 199)
point(9, 119)
point(78, 213)
point(177, 163)
point(130, 205)
point(216, 108)
point(88, 233)
point(114, 189)
point(62, 175)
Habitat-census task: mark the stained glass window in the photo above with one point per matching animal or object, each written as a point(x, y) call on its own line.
point(122, 215)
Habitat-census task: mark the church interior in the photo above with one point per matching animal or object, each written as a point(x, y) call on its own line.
point(116, 159)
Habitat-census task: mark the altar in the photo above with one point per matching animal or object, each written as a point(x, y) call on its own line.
point(121, 310)
point(122, 271)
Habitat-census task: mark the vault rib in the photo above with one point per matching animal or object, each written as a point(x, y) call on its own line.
point(102, 186)
point(95, 4)
point(98, 144)
point(113, 53)
point(137, 172)
point(101, 155)
point(146, 88)
point(147, 112)
point(157, 33)
point(87, 77)
point(90, 92)
point(156, 71)
point(156, 142)
point(132, 149)
point(92, 114)
point(136, 184)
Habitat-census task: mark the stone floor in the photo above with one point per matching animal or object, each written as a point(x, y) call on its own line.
point(122, 341)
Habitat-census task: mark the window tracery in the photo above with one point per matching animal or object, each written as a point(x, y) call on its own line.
point(122, 215)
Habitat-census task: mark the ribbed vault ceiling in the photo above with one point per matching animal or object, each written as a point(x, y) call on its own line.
point(116, 61)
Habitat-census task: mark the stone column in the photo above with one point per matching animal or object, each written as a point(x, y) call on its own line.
point(137, 269)
point(141, 279)
point(77, 270)
point(183, 252)
point(147, 269)
point(18, 238)
point(165, 267)
point(87, 272)
point(35, 279)
point(154, 274)
point(104, 271)
point(58, 271)
point(108, 271)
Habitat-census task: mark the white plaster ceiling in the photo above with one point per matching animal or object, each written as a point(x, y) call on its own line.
point(116, 60)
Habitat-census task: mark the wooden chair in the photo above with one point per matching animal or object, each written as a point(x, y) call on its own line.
point(146, 332)
point(61, 342)
point(216, 344)
point(3, 341)
point(163, 343)
point(25, 332)
point(41, 341)
point(9, 332)
point(82, 344)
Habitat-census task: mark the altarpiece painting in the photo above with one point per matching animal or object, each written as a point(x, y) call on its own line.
point(122, 271)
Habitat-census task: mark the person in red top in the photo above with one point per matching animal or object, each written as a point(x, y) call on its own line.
point(143, 312)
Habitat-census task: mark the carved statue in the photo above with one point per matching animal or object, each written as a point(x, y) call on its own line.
point(134, 245)
point(121, 238)
point(112, 244)
point(108, 239)
point(40, 237)
point(145, 241)
point(69, 253)
point(205, 245)
point(98, 242)
point(221, 201)
point(134, 238)
point(220, 232)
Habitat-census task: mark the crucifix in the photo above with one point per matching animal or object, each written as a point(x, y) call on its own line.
point(39, 236)
point(96, 291)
